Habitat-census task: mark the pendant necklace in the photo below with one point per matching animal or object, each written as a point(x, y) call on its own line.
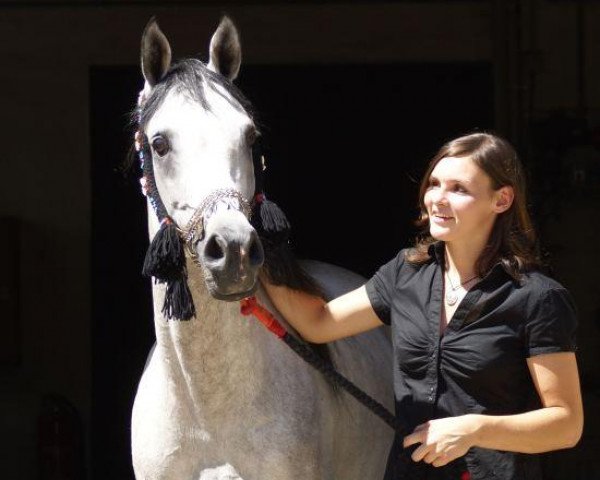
point(451, 295)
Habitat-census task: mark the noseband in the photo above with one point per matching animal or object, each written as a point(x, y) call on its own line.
point(193, 232)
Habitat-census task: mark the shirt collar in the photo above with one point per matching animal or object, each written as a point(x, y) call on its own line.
point(437, 251)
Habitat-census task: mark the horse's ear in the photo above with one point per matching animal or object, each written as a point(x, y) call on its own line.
point(156, 53)
point(225, 50)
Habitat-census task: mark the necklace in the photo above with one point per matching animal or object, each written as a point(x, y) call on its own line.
point(451, 295)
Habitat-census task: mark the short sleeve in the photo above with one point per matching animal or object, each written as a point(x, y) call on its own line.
point(552, 327)
point(381, 286)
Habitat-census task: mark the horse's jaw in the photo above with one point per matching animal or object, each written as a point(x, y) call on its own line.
point(233, 297)
point(208, 302)
point(230, 289)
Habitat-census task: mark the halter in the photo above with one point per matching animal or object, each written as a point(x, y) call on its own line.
point(193, 232)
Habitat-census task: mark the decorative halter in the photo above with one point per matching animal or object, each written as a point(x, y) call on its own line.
point(166, 258)
point(193, 232)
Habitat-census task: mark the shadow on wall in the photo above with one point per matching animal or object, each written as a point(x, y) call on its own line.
point(564, 178)
point(42, 433)
point(42, 438)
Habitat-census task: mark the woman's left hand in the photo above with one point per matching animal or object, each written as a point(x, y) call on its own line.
point(444, 439)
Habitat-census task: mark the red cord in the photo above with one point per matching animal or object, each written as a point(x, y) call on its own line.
point(250, 306)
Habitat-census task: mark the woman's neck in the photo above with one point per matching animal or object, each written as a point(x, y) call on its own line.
point(461, 259)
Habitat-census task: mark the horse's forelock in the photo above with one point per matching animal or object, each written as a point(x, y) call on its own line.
point(191, 76)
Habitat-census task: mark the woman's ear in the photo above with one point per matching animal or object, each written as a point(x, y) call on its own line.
point(504, 197)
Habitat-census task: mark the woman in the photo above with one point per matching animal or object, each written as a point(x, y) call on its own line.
point(484, 343)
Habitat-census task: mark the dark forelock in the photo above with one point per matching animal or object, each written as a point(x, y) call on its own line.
point(191, 76)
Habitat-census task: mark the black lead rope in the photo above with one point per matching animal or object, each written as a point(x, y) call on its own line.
point(250, 306)
point(336, 377)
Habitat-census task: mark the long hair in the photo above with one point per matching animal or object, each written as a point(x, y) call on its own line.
point(512, 240)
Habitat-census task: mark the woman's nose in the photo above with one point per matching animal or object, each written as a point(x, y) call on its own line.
point(439, 197)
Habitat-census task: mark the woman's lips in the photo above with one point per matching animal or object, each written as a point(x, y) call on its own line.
point(441, 219)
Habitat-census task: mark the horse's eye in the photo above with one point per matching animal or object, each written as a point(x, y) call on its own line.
point(160, 145)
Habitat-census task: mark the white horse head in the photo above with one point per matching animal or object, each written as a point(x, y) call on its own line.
point(201, 132)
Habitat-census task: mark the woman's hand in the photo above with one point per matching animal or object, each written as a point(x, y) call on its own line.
point(444, 439)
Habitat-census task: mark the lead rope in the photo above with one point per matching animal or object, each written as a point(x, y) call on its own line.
point(250, 306)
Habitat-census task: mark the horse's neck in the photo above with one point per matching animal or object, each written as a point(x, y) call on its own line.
point(213, 356)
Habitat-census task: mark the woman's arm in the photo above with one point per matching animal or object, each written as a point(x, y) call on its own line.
point(558, 424)
point(321, 322)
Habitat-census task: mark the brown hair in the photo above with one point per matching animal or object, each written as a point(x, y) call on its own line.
point(512, 240)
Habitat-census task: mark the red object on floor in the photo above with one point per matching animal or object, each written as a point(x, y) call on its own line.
point(250, 306)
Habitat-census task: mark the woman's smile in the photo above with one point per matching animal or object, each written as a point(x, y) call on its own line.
point(441, 219)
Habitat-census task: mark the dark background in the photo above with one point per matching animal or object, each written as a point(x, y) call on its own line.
point(353, 99)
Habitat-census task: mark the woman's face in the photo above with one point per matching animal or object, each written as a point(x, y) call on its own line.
point(461, 203)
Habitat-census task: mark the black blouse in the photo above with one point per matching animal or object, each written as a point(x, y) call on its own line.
point(478, 365)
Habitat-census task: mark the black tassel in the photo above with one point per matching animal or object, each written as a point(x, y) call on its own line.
point(165, 258)
point(271, 222)
point(178, 300)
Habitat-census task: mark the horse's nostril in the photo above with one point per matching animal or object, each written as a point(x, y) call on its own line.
point(256, 253)
point(213, 250)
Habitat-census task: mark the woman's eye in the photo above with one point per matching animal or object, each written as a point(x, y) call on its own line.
point(160, 145)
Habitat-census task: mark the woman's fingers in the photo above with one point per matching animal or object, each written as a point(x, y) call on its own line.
point(421, 427)
point(436, 458)
point(420, 452)
point(441, 460)
point(417, 436)
point(438, 442)
point(430, 456)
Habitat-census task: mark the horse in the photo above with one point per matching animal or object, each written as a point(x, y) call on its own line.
point(220, 397)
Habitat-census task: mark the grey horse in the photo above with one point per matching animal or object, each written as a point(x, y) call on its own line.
point(220, 397)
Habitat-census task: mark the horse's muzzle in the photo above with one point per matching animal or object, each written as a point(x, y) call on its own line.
point(231, 255)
